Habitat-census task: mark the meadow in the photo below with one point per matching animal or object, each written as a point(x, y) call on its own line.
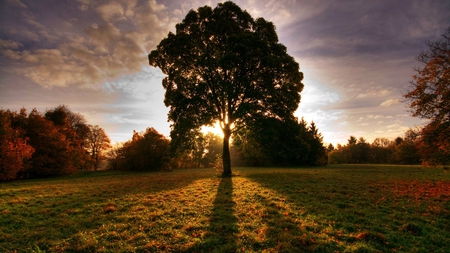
point(338, 208)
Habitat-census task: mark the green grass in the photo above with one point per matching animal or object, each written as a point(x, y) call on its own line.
point(339, 208)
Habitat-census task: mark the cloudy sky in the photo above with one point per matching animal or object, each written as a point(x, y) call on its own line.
point(357, 58)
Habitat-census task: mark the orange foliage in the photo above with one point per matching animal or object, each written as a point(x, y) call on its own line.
point(422, 190)
point(13, 156)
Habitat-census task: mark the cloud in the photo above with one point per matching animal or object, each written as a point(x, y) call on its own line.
point(9, 44)
point(356, 57)
point(17, 3)
point(115, 45)
point(111, 11)
point(390, 102)
point(359, 28)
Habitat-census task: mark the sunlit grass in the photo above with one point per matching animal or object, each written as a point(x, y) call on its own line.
point(337, 208)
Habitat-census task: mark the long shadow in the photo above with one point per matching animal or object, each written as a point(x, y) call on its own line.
point(223, 228)
point(340, 204)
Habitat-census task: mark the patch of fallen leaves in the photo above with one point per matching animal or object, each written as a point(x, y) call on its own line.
point(421, 189)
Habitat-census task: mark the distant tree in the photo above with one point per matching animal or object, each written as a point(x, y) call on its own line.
point(352, 140)
point(96, 143)
point(330, 147)
point(274, 142)
point(407, 151)
point(146, 151)
point(115, 157)
point(75, 129)
point(381, 151)
point(398, 140)
point(317, 154)
point(212, 144)
point(339, 155)
point(381, 142)
point(356, 151)
point(362, 149)
point(429, 98)
point(15, 152)
point(222, 65)
point(52, 154)
point(350, 150)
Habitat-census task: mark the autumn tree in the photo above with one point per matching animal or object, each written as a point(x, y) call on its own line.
point(75, 129)
point(223, 65)
point(96, 143)
point(146, 151)
point(52, 154)
point(429, 98)
point(15, 151)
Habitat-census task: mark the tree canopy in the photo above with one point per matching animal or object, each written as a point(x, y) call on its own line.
point(223, 65)
point(429, 98)
point(45, 144)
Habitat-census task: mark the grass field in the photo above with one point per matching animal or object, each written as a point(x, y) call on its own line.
point(339, 208)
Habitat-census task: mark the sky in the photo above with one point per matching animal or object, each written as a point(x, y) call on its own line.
point(357, 57)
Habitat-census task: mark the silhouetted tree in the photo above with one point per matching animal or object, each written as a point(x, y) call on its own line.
point(361, 151)
point(407, 151)
point(96, 142)
point(429, 99)
point(317, 154)
point(381, 151)
point(330, 147)
point(272, 142)
point(115, 157)
point(146, 151)
point(222, 65)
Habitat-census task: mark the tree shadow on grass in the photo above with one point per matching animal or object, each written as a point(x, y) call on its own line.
point(222, 229)
point(332, 216)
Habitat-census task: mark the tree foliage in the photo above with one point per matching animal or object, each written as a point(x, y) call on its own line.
point(42, 144)
point(273, 142)
point(429, 98)
point(398, 151)
point(146, 151)
point(96, 143)
point(15, 151)
point(222, 65)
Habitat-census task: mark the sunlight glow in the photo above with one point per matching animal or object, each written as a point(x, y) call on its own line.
point(215, 129)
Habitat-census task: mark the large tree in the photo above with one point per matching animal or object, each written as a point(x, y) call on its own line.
point(429, 98)
point(222, 65)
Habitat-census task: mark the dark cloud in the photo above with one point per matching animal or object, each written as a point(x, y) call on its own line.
point(369, 28)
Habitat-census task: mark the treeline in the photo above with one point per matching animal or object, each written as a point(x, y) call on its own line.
point(269, 142)
point(273, 142)
point(150, 150)
point(401, 150)
point(55, 142)
point(59, 142)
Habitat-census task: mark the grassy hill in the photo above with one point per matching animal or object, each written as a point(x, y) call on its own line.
point(346, 208)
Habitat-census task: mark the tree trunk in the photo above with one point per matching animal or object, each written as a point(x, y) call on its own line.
point(226, 160)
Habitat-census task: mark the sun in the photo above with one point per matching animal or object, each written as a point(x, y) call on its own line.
point(215, 129)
